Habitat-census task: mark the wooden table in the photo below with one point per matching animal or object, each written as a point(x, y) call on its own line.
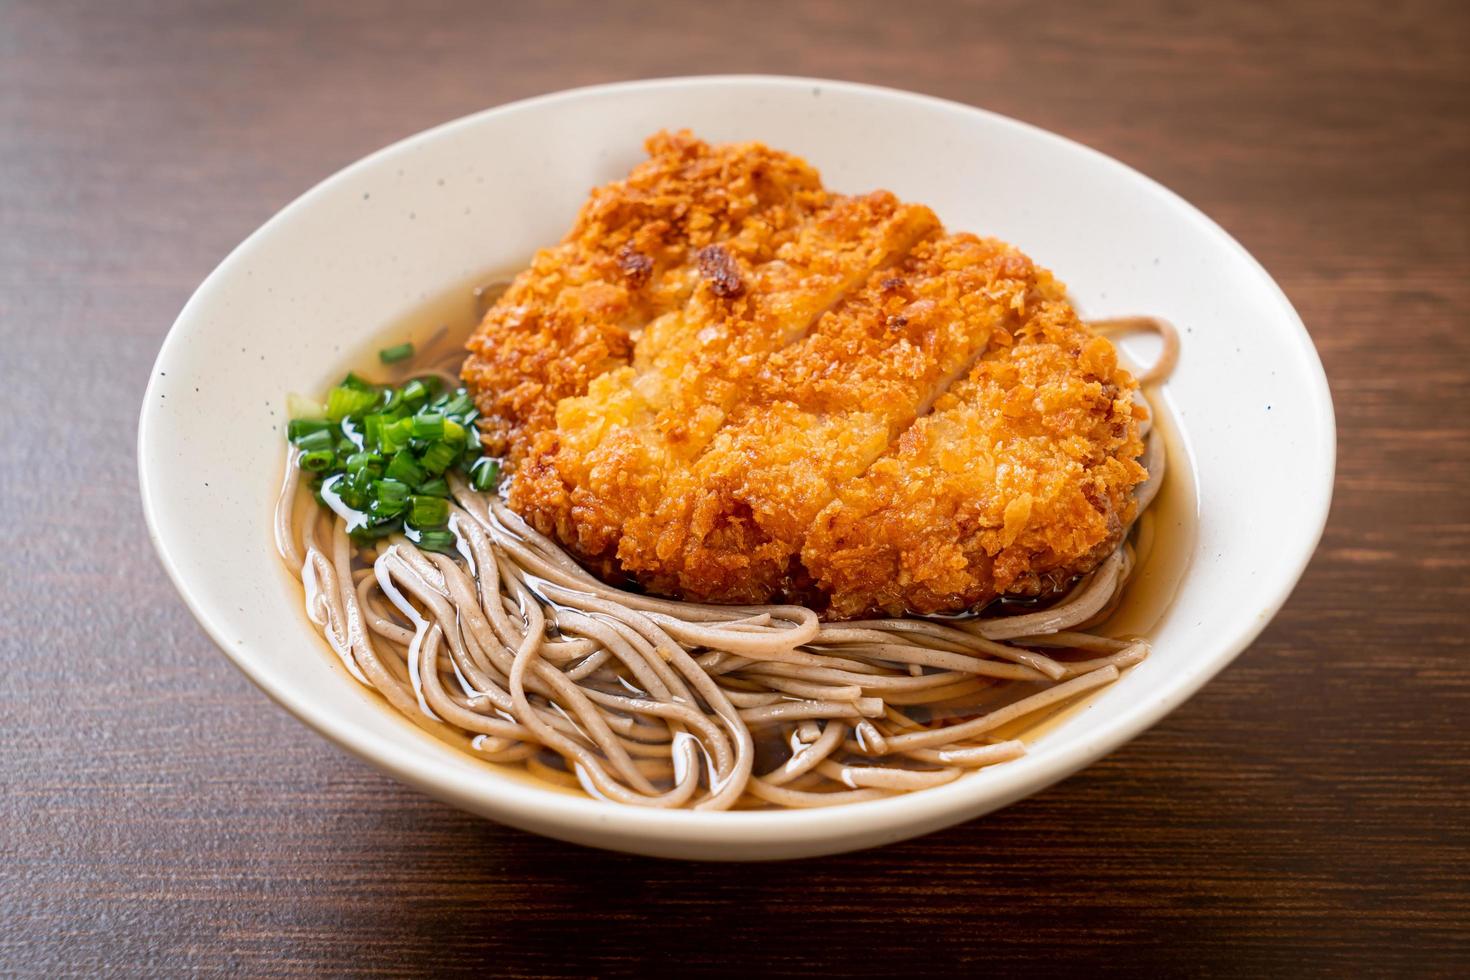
point(1305, 814)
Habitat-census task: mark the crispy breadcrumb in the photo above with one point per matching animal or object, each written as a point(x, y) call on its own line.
point(735, 386)
point(1019, 479)
point(630, 257)
point(619, 452)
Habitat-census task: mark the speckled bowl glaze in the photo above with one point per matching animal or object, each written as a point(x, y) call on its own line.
point(325, 276)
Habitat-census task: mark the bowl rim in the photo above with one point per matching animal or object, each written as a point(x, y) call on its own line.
point(564, 815)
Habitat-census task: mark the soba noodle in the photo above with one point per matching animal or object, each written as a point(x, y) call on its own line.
point(518, 652)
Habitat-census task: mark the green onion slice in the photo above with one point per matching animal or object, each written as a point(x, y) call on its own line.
point(396, 353)
point(298, 429)
point(318, 460)
point(436, 541)
point(426, 512)
point(438, 457)
point(344, 401)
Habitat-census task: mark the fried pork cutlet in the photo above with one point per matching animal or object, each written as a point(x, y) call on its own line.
point(798, 395)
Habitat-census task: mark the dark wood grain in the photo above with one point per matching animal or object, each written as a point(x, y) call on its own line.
point(1306, 814)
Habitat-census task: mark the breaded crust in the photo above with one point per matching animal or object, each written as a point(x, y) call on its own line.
point(630, 257)
point(735, 386)
point(1020, 479)
point(602, 480)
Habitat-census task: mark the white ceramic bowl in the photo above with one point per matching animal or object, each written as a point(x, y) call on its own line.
point(369, 244)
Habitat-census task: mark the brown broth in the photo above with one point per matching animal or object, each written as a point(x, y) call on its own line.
point(439, 326)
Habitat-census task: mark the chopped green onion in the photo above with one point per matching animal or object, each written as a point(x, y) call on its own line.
point(394, 436)
point(372, 430)
point(391, 490)
point(415, 393)
point(403, 468)
point(428, 511)
point(436, 541)
point(363, 461)
point(298, 429)
point(438, 457)
point(344, 401)
point(355, 489)
point(485, 474)
point(358, 486)
point(372, 532)
point(316, 441)
point(381, 457)
point(459, 406)
point(391, 497)
point(396, 353)
point(352, 431)
point(317, 460)
point(358, 502)
point(428, 425)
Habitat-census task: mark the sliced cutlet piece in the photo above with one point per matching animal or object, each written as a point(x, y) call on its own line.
point(596, 482)
point(630, 257)
point(823, 409)
point(1018, 480)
